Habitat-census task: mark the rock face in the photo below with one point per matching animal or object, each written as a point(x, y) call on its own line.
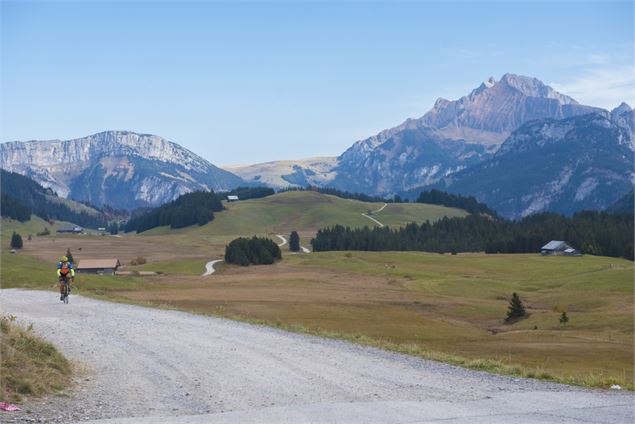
point(118, 168)
point(567, 165)
point(453, 135)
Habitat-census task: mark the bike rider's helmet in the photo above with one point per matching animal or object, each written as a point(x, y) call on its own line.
point(63, 259)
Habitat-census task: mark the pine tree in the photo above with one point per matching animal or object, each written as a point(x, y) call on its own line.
point(16, 241)
point(564, 319)
point(516, 309)
point(294, 242)
point(113, 229)
point(69, 255)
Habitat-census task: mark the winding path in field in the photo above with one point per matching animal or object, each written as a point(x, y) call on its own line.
point(282, 239)
point(377, 211)
point(209, 267)
point(146, 365)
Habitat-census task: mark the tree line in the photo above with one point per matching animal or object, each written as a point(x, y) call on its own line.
point(252, 251)
point(188, 209)
point(344, 194)
point(591, 232)
point(467, 203)
point(245, 193)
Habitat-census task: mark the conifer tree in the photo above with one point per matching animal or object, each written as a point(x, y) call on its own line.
point(564, 319)
point(69, 255)
point(294, 242)
point(516, 309)
point(16, 241)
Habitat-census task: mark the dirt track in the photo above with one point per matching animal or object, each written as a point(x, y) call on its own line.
point(177, 367)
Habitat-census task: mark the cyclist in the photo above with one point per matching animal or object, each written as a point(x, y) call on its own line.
point(64, 271)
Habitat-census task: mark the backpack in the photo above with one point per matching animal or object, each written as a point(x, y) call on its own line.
point(65, 268)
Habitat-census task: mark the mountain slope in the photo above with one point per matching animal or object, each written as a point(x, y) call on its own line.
point(453, 135)
point(584, 162)
point(22, 197)
point(118, 168)
point(316, 171)
point(624, 204)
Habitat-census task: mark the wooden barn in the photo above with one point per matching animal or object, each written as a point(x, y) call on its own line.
point(98, 266)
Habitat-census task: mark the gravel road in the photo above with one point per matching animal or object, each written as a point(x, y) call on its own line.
point(209, 267)
point(147, 365)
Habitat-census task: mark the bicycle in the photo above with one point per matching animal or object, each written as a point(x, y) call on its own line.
point(66, 289)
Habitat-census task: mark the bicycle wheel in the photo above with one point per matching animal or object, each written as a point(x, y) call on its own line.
point(66, 293)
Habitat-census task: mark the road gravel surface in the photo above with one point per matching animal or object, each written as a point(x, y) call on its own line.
point(146, 365)
point(209, 267)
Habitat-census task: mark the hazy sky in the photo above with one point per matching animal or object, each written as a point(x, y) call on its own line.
point(252, 82)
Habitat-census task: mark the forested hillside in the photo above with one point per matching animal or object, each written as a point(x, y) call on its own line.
point(467, 203)
point(596, 233)
point(188, 209)
point(22, 197)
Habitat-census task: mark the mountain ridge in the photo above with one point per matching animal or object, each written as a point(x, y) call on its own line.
point(119, 168)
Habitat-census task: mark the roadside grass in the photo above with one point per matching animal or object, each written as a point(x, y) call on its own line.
point(29, 366)
point(598, 379)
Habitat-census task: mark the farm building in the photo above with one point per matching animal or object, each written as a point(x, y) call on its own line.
point(72, 230)
point(557, 247)
point(232, 198)
point(98, 266)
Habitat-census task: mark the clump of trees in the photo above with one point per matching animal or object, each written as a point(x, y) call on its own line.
point(516, 309)
point(16, 241)
point(467, 203)
point(188, 209)
point(252, 251)
point(597, 233)
point(294, 241)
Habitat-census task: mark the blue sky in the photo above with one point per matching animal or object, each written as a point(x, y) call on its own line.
point(253, 82)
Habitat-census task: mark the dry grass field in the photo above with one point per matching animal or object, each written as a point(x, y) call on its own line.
point(444, 307)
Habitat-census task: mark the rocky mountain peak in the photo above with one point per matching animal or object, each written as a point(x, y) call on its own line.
point(622, 108)
point(533, 87)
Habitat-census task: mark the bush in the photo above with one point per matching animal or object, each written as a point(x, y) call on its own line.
point(254, 251)
point(16, 241)
point(139, 260)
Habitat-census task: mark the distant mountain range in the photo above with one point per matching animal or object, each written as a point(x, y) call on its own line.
point(515, 143)
point(121, 169)
point(566, 165)
point(458, 140)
